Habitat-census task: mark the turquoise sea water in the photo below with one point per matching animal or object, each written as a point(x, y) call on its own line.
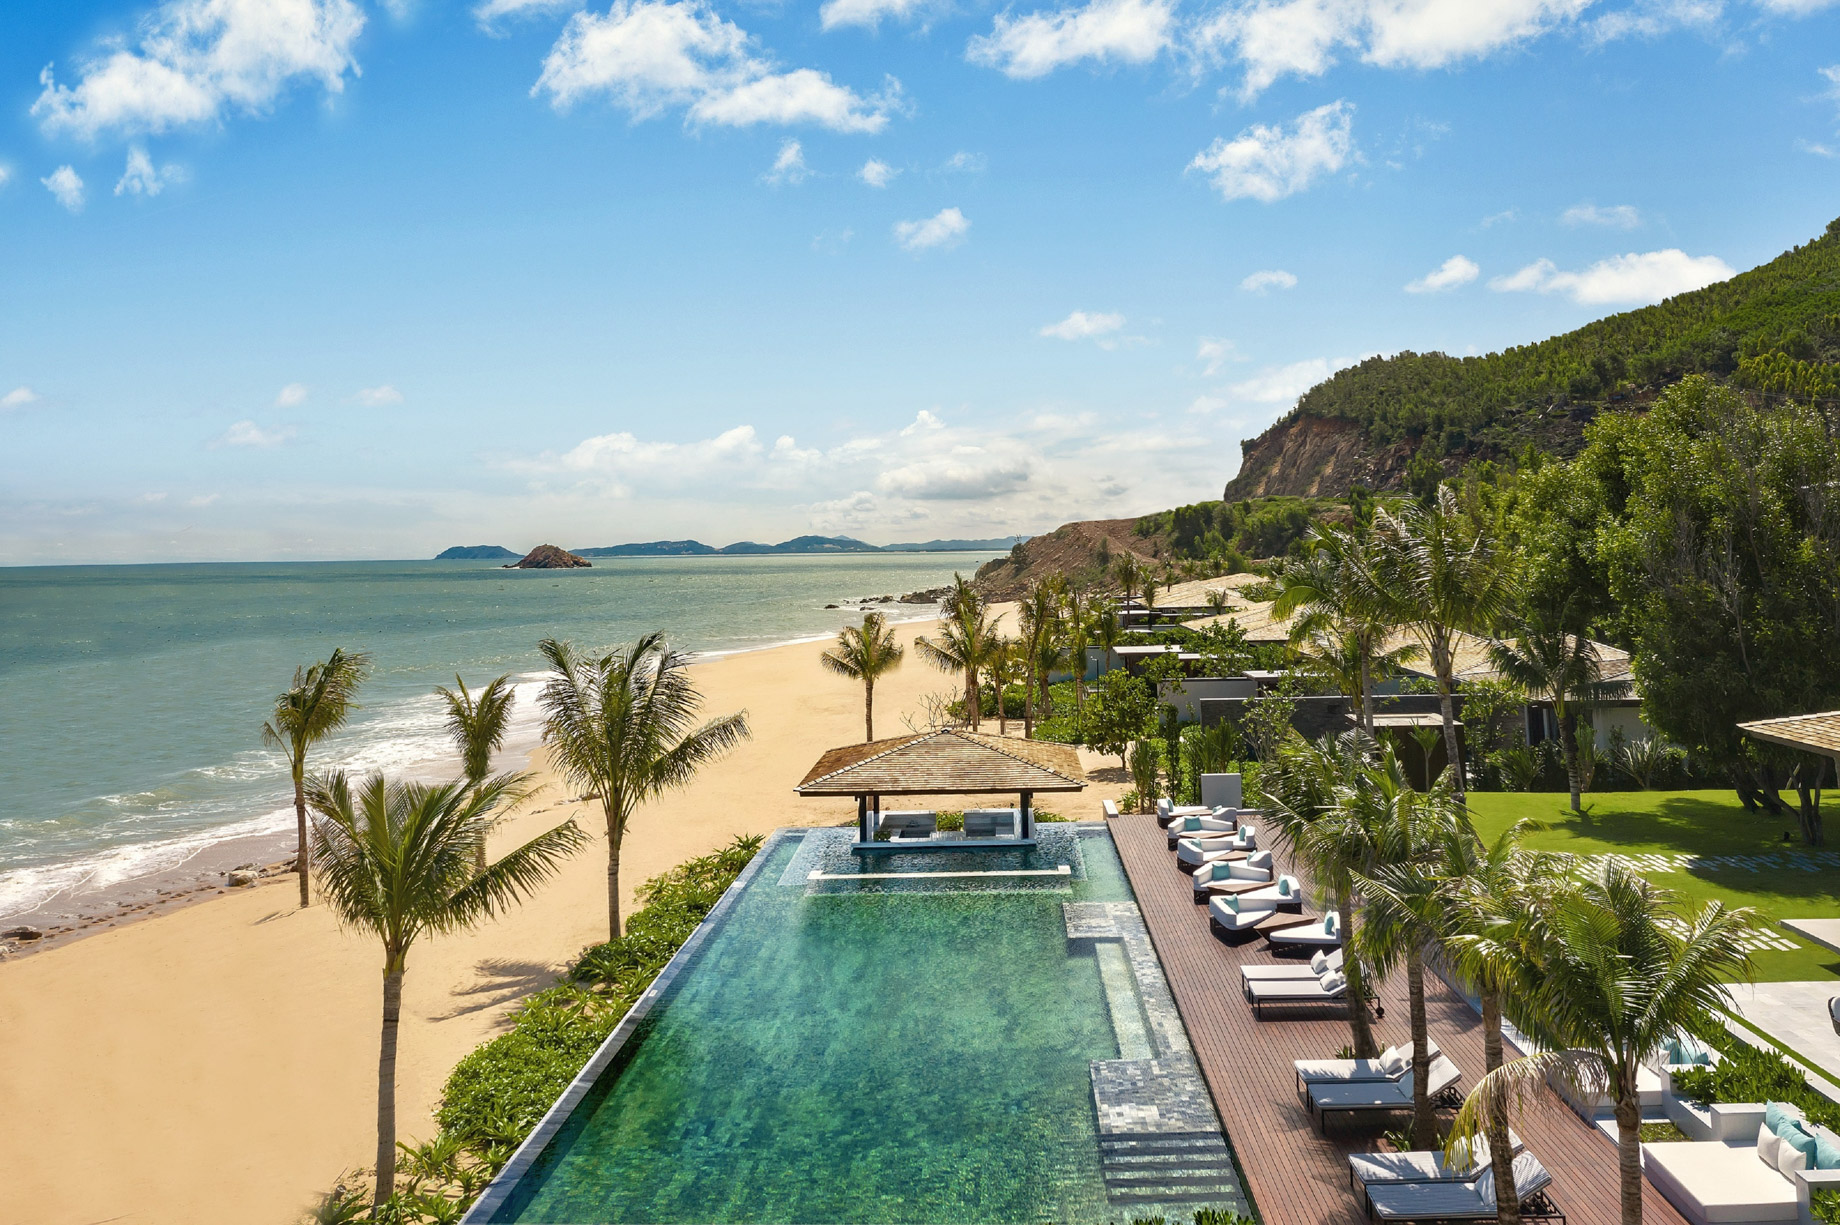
point(132, 697)
point(897, 1054)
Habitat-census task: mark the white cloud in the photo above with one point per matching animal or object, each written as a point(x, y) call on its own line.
point(379, 397)
point(837, 13)
point(1277, 38)
point(1817, 148)
point(1455, 271)
point(1653, 18)
point(291, 396)
point(249, 434)
point(1622, 279)
point(877, 173)
point(141, 178)
point(1617, 216)
point(1214, 353)
point(19, 397)
point(946, 228)
point(66, 187)
point(1796, 8)
point(789, 166)
point(196, 59)
point(1268, 278)
point(971, 473)
point(489, 12)
point(1082, 326)
point(965, 163)
point(923, 422)
point(1282, 384)
point(650, 56)
point(1269, 163)
point(1505, 216)
point(1131, 31)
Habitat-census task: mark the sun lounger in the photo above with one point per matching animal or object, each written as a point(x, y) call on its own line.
point(1230, 914)
point(1352, 1099)
point(990, 823)
point(1465, 1201)
point(910, 825)
point(1393, 1062)
point(1325, 934)
point(1465, 1163)
point(1233, 875)
point(1318, 966)
point(1331, 988)
point(1167, 812)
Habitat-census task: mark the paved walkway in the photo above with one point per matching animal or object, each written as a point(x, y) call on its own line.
point(1795, 1014)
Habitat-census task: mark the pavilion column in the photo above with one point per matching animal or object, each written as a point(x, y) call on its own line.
point(863, 832)
point(1028, 814)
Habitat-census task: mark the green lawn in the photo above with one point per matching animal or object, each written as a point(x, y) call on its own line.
point(1691, 823)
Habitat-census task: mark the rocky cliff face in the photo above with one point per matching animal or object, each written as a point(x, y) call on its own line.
point(549, 557)
point(1067, 549)
point(1305, 456)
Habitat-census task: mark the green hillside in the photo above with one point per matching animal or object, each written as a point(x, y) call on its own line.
point(1775, 328)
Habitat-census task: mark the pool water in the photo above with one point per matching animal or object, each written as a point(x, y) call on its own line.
point(875, 1050)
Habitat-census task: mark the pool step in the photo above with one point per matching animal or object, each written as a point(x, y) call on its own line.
point(1168, 1168)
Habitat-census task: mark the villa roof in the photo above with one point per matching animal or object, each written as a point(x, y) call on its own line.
point(1819, 733)
point(947, 762)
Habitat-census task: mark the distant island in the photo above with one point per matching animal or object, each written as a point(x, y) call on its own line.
point(696, 548)
point(548, 557)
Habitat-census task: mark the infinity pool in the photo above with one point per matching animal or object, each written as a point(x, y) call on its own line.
point(846, 1047)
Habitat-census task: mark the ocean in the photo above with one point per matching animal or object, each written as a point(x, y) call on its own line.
point(132, 697)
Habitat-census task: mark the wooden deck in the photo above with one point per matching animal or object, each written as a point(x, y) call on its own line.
point(1295, 1175)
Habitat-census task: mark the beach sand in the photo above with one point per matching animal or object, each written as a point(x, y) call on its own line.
point(217, 1063)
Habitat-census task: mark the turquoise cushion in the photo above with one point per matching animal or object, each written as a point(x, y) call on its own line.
point(1826, 1156)
point(1795, 1137)
point(1231, 903)
point(1284, 886)
point(1329, 924)
point(1775, 1114)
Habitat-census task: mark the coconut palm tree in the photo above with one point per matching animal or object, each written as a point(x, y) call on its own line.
point(1441, 574)
point(621, 728)
point(1107, 631)
point(477, 724)
point(1217, 600)
point(965, 643)
point(396, 860)
point(1078, 636)
point(1340, 614)
point(1557, 663)
point(1608, 971)
point(316, 705)
point(1040, 617)
point(865, 652)
point(1128, 573)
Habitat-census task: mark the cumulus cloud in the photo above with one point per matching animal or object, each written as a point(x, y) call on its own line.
point(1455, 271)
point(837, 13)
point(1617, 216)
point(1268, 278)
point(877, 173)
point(142, 178)
point(19, 397)
point(66, 187)
point(789, 166)
point(946, 228)
point(379, 397)
point(1652, 18)
point(1105, 31)
point(1267, 163)
point(974, 473)
point(1083, 326)
point(1214, 353)
point(651, 56)
point(249, 434)
point(194, 60)
point(1282, 384)
point(1796, 8)
point(291, 396)
point(490, 12)
point(1271, 39)
point(1620, 280)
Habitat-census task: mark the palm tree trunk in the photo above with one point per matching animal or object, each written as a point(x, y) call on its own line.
point(868, 710)
point(300, 825)
point(1568, 742)
point(613, 876)
point(1424, 1120)
point(1367, 695)
point(1028, 707)
point(1501, 1160)
point(1452, 761)
point(1360, 1025)
point(1629, 1154)
point(386, 1086)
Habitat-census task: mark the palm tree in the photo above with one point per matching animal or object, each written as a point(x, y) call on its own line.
point(1609, 970)
point(1442, 575)
point(1217, 600)
point(1078, 637)
point(319, 702)
point(1040, 615)
point(396, 860)
point(1005, 667)
point(1340, 613)
point(1107, 631)
point(1561, 665)
point(620, 728)
point(1128, 573)
point(866, 653)
point(477, 724)
point(965, 643)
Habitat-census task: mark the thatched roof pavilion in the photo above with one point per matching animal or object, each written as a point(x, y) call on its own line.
point(947, 762)
point(1817, 733)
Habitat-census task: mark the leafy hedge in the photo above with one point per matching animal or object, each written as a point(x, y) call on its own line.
point(1748, 1074)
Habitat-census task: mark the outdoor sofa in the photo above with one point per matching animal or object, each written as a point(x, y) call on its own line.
point(1354, 1099)
point(990, 823)
point(1465, 1201)
point(1769, 1176)
point(1217, 824)
point(911, 825)
point(1191, 853)
point(1233, 875)
point(1325, 933)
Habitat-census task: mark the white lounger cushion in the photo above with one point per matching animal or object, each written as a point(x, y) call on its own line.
point(1422, 1166)
point(1292, 991)
point(1394, 1062)
point(1286, 892)
point(1196, 850)
point(1327, 933)
point(1232, 915)
point(1293, 973)
point(1422, 1201)
point(1717, 1183)
point(1376, 1094)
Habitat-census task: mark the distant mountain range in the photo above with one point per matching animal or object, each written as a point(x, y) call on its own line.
point(696, 548)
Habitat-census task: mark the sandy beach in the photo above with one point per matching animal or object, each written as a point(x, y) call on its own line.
point(217, 1063)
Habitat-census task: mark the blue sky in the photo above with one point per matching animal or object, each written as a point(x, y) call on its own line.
point(342, 278)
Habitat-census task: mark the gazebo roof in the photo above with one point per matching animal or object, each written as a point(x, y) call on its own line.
point(948, 762)
point(1819, 733)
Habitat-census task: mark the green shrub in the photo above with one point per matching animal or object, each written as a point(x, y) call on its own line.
point(1747, 1074)
point(1824, 1205)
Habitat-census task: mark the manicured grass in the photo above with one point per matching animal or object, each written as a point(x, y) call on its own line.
point(1689, 823)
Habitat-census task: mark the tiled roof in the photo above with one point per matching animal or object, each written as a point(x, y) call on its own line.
point(949, 762)
point(1810, 733)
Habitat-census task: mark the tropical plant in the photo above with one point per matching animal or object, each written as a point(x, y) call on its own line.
point(1217, 600)
point(1146, 761)
point(477, 724)
point(620, 727)
point(1644, 758)
point(1041, 643)
point(1079, 632)
point(1338, 613)
point(1607, 971)
point(1107, 633)
point(1551, 659)
point(396, 860)
point(1128, 574)
point(865, 652)
point(965, 644)
point(1442, 575)
point(318, 703)
point(1122, 711)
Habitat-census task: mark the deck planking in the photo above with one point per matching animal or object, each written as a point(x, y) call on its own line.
point(1296, 1175)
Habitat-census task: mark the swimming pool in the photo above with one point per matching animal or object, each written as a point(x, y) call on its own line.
point(910, 1039)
